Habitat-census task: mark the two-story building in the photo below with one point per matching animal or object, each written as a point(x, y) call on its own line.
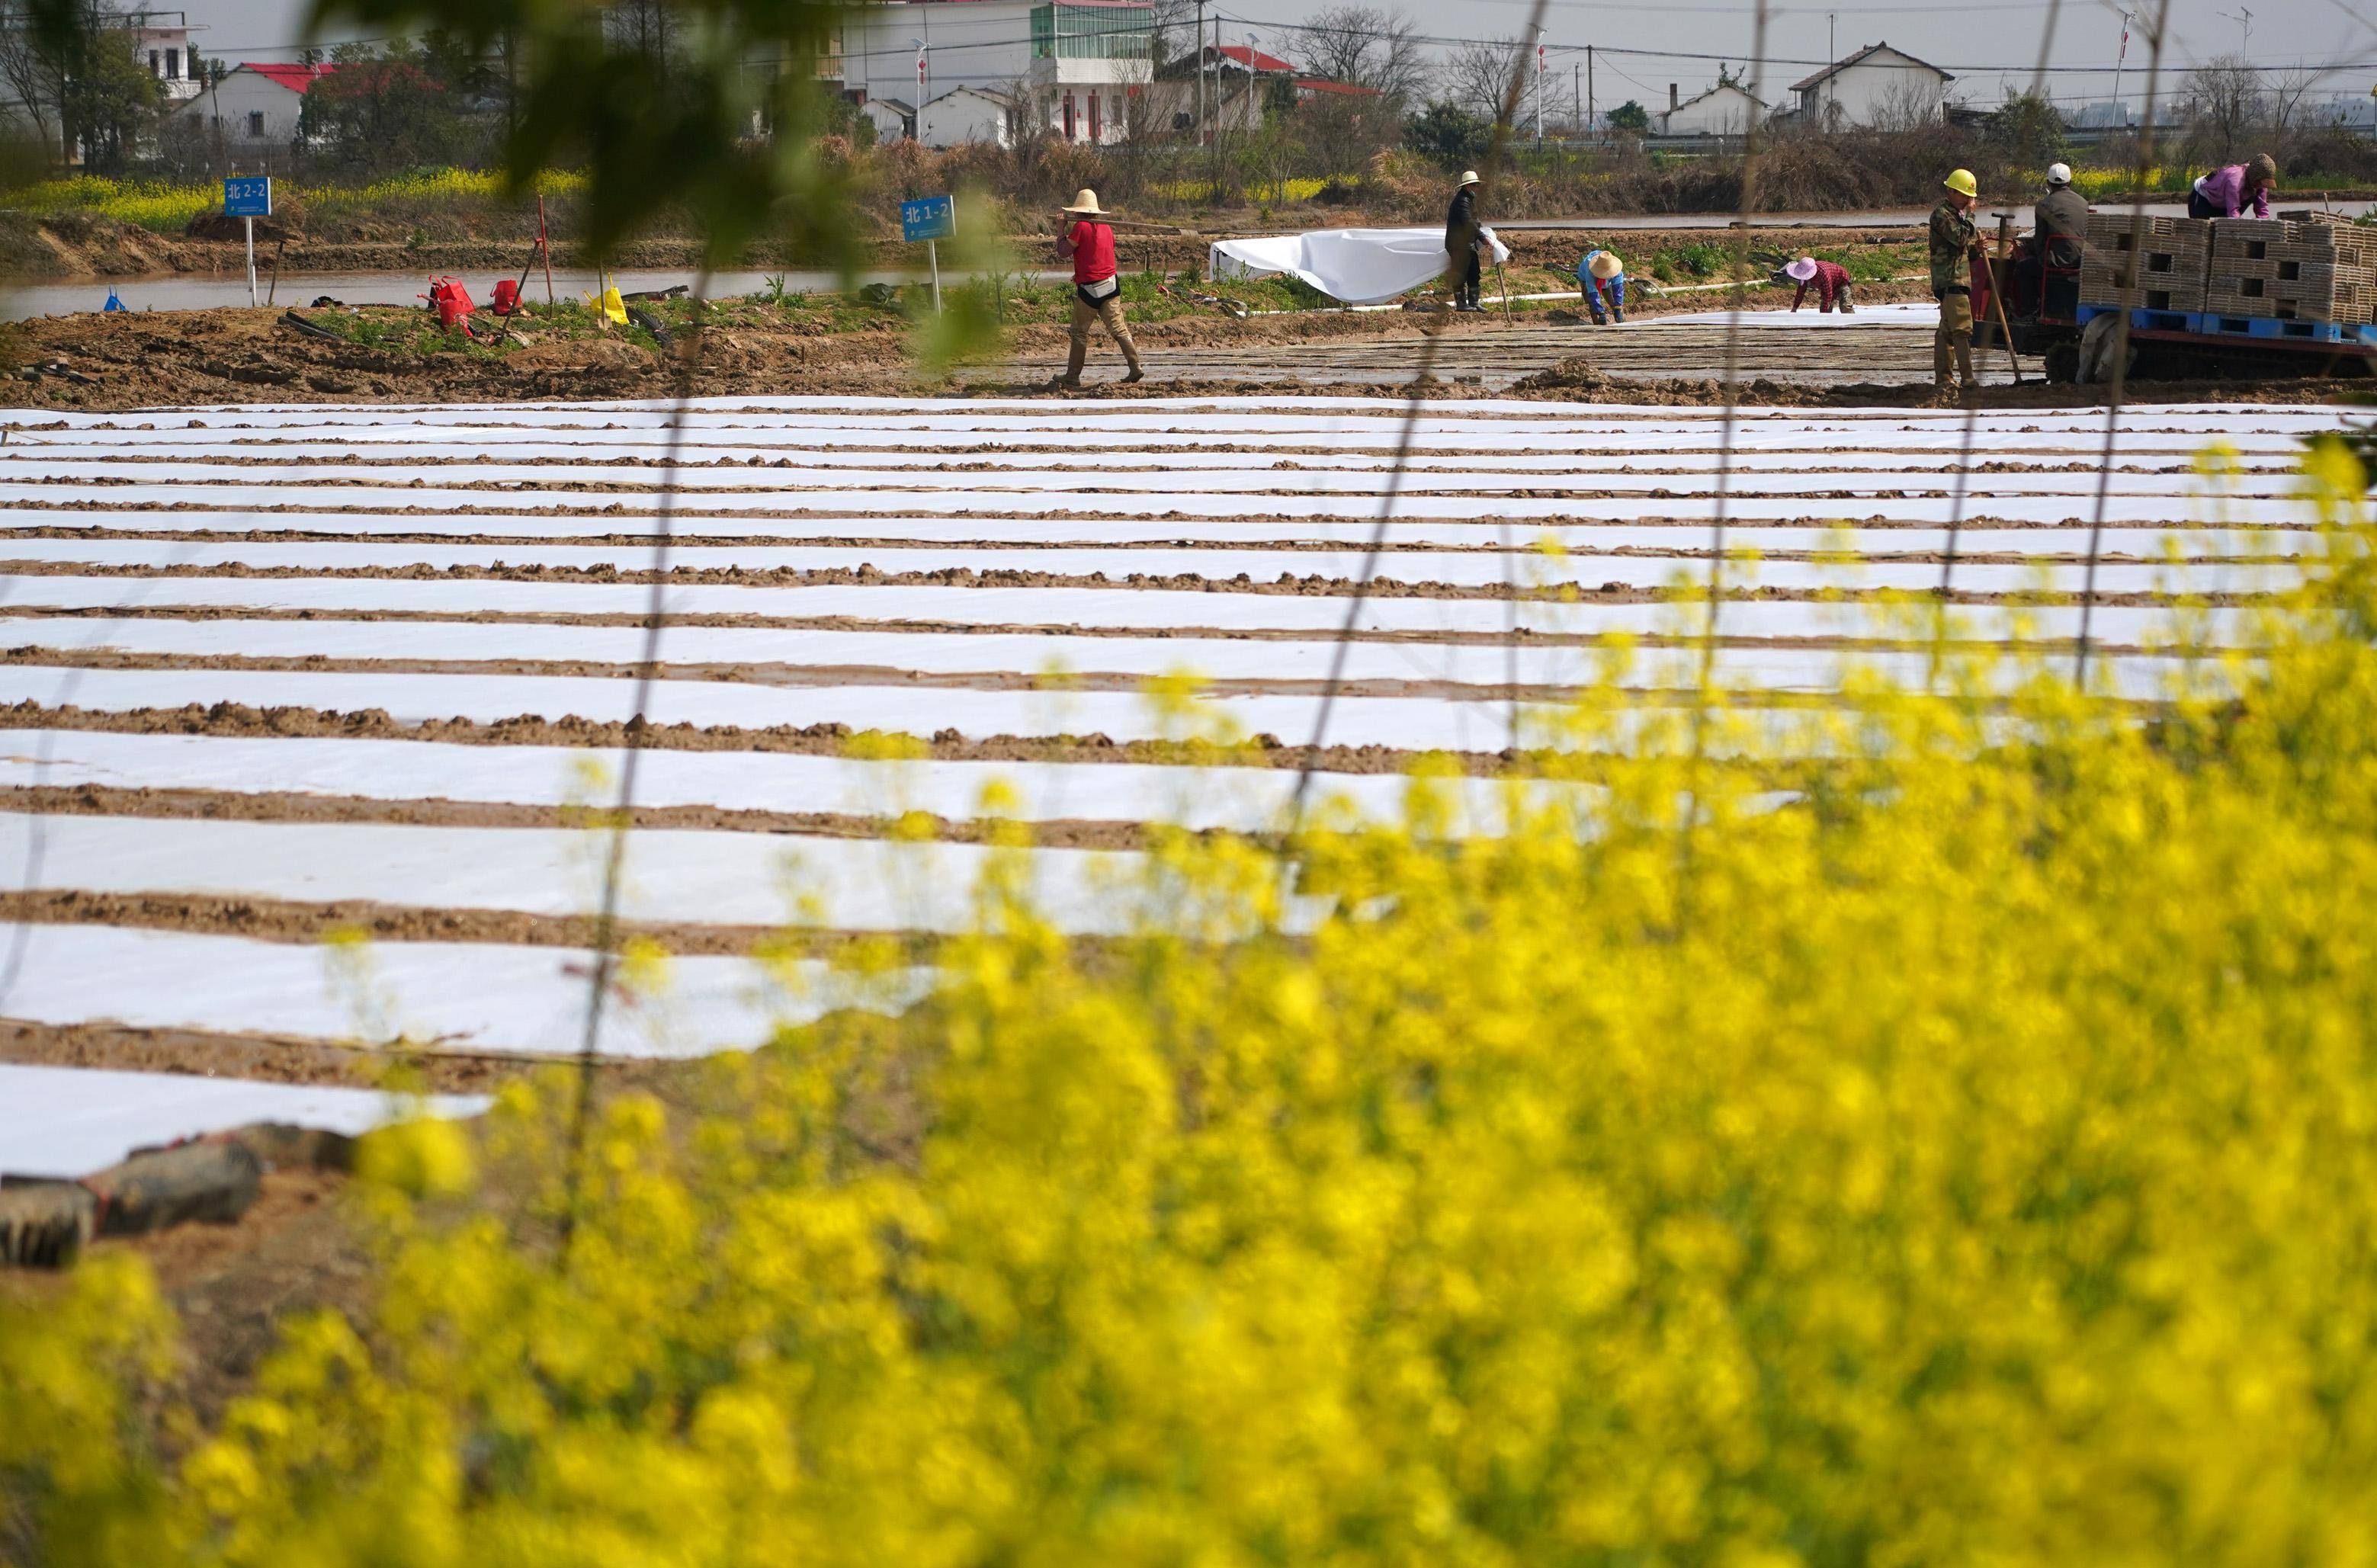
point(1076, 67)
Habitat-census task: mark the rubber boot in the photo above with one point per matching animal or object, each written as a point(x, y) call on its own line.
point(1074, 356)
point(1971, 383)
point(1617, 314)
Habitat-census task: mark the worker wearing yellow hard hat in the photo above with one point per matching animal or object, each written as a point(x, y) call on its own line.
point(1953, 237)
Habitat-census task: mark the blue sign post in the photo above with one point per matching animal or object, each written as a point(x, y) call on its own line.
point(248, 197)
point(931, 219)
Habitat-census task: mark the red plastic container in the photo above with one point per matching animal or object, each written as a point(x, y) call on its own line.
point(452, 303)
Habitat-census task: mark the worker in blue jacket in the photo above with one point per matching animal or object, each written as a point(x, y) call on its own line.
point(1602, 276)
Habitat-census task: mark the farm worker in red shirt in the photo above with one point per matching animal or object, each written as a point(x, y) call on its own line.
point(1831, 281)
point(1097, 292)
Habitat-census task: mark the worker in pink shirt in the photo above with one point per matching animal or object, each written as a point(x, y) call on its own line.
point(1830, 280)
point(2224, 192)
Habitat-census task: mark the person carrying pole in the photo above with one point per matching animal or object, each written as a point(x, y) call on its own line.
point(1097, 292)
point(1829, 278)
point(1953, 237)
point(1461, 239)
point(2225, 192)
point(1602, 276)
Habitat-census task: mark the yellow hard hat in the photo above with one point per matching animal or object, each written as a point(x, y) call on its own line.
point(1961, 181)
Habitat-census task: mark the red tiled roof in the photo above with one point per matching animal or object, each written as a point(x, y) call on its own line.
point(1254, 59)
point(297, 79)
point(1326, 84)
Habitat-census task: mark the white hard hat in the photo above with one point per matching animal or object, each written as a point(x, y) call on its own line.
point(2059, 174)
point(1469, 177)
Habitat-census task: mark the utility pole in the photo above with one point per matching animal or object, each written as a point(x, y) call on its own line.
point(1199, 41)
point(1832, 58)
point(1576, 89)
point(2243, 17)
point(2118, 60)
point(1539, 88)
point(1592, 128)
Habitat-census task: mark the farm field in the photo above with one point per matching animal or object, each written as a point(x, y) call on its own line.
point(277, 674)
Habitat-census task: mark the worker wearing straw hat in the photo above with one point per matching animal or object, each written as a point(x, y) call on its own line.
point(1829, 278)
point(1461, 237)
point(1602, 276)
point(1097, 292)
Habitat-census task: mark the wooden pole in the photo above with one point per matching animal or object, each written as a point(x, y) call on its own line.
point(544, 245)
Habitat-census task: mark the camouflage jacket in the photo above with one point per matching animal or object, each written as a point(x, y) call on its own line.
point(1952, 242)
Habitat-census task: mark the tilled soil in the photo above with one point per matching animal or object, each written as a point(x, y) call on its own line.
point(240, 356)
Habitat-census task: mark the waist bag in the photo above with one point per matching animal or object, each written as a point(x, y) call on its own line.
point(1098, 293)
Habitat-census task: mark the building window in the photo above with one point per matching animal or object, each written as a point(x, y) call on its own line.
point(1069, 117)
point(1090, 32)
point(1097, 124)
point(255, 124)
point(154, 69)
point(172, 65)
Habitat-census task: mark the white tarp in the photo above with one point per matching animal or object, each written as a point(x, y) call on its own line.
point(1359, 266)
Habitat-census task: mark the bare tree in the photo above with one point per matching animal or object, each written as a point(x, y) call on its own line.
point(1477, 75)
point(2284, 92)
point(1367, 47)
point(1912, 105)
point(2223, 105)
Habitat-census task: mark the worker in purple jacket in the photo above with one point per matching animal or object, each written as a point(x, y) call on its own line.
point(2223, 192)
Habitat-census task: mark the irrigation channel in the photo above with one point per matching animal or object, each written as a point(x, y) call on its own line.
point(274, 671)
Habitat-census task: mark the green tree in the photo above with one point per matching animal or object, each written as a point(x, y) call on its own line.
point(1630, 116)
point(71, 66)
point(2027, 131)
point(1448, 135)
point(379, 109)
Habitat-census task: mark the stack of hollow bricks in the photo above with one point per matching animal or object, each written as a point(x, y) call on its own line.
point(2251, 266)
point(2293, 272)
point(2173, 256)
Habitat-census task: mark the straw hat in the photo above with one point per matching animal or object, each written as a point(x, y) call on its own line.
point(1085, 200)
point(2263, 170)
point(1606, 265)
point(1469, 177)
point(1803, 269)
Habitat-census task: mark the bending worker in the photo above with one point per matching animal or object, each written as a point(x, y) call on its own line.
point(1097, 292)
point(1460, 243)
point(1602, 276)
point(1952, 238)
point(2059, 235)
point(2224, 193)
point(1830, 280)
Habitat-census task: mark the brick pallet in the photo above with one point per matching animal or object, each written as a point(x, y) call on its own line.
point(2292, 270)
point(2173, 257)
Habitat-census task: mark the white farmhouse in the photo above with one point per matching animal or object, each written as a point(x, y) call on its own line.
point(1723, 110)
point(968, 114)
point(253, 111)
point(894, 119)
point(1877, 85)
point(1078, 67)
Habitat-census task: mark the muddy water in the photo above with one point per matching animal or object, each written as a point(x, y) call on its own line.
point(185, 292)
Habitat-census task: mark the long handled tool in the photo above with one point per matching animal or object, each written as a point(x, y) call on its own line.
point(1504, 287)
point(1997, 299)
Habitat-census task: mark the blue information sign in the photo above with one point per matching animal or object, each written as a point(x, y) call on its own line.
point(247, 196)
point(934, 218)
